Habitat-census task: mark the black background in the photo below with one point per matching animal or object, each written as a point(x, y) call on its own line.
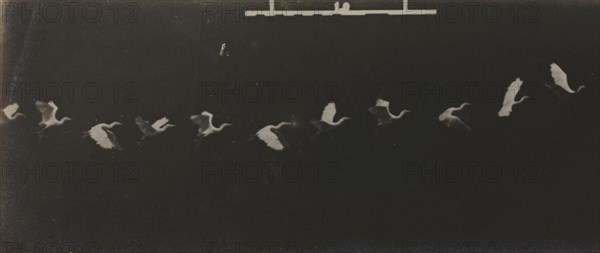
point(169, 50)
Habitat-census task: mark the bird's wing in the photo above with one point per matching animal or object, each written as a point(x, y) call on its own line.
point(144, 126)
point(112, 138)
point(203, 121)
point(160, 122)
point(45, 109)
point(381, 113)
point(97, 133)
point(104, 138)
point(509, 98)
point(11, 109)
point(382, 103)
point(328, 113)
point(54, 109)
point(446, 114)
point(511, 92)
point(560, 77)
point(505, 111)
point(270, 138)
point(105, 143)
point(282, 140)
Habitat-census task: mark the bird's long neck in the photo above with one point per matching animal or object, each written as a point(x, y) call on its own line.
point(339, 121)
point(400, 115)
point(452, 110)
point(62, 121)
point(112, 125)
point(15, 116)
point(395, 116)
point(220, 127)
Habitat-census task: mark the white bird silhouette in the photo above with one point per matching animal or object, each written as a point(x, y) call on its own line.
point(158, 127)
point(271, 136)
point(509, 98)
point(560, 79)
point(205, 125)
point(450, 120)
point(381, 111)
point(326, 123)
point(10, 113)
point(103, 136)
point(224, 51)
point(48, 111)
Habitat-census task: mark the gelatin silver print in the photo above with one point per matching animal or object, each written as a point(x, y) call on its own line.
point(305, 126)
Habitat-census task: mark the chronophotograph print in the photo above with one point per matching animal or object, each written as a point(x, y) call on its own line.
point(300, 126)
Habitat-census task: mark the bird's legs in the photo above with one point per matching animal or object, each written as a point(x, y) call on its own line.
point(198, 141)
point(138, 145)
point(40, 134)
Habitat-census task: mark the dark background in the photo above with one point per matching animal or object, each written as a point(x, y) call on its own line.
point(169, 50)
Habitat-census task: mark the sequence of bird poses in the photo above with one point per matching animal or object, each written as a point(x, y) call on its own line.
point(271, 134)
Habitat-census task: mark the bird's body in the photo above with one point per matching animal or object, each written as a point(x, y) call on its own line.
point(148, 130)
point(452, 121)
point(381, 111)
point(271, 136)
point(48, 112)
point(224, 51)
point(103, 136)
point(509, 98)
point(326, 123)
point(560, 79)
point(205, 125)
point(10, 113)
